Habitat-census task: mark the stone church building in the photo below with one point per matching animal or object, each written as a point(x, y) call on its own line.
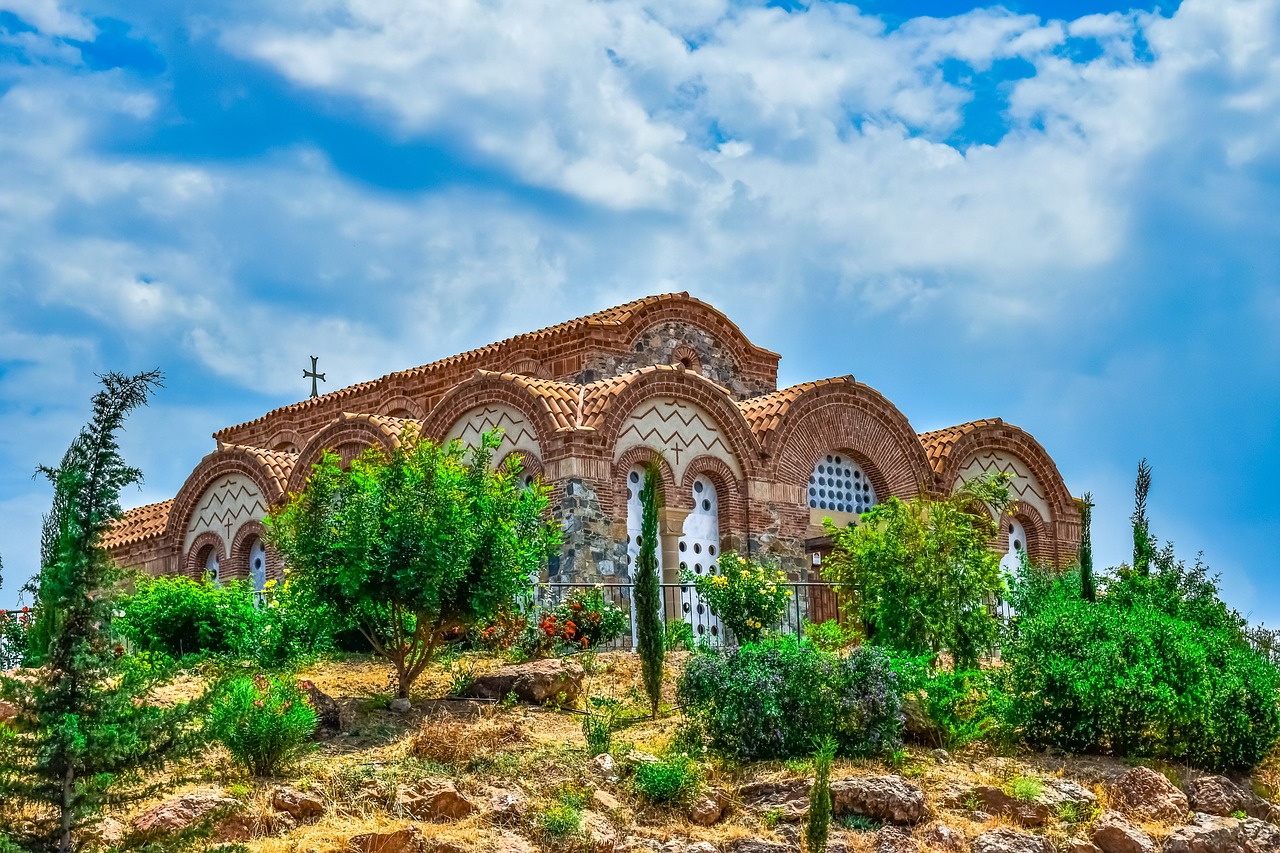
point(746, 466)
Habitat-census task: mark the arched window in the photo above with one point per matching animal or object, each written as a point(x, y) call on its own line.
point(839, 484)
point(210, 562)
point(1017, 545)
point(699, 553)
point(635, 482)
point(258, 565)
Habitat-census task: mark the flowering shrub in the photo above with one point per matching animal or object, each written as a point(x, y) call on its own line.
point(747, 595)
point(503, 632)
point(13, 637)
point(582, 620)
point(263, 721)
point(771, 700)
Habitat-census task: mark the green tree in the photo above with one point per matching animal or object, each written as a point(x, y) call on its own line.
point(87, 736)
point(648, 591)
point(1144, 545)
point(1088, 585)
point(415, 546)
point(920, 573)
point(818, 826)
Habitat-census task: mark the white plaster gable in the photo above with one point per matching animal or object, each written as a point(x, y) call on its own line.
point(224, 508)
point(1024, 488)
point(680, 430)
point(518, 433)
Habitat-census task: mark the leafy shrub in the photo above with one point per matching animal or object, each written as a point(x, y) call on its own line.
point(179, 616)
point(771, 700)
point(831, 636)
point(678, 636)
point(818, 826)
point(747, 595)
point(503, 632)
point(1157, 666)
point(582, 620)
point(562, 820)
point(964, 706)
point(597, 725)
point(263, 721)
point(14, 637)
point(672, 779)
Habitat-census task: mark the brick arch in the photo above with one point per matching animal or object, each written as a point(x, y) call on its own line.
point(730, 491)
point(288, 441)
point(1061, 531)
point(854, 419)
point(240, 543)
point(613, 500)
point(751, 359)
point(402, 407)
point(221, 463)
point(663, 381)
point(1040, 542)
point(192, 562)
point(527, 363)
point(484, 388)
point(532, 464)
point(348, 436)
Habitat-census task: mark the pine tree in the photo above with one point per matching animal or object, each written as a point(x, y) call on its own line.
point(87, 737)
point(648, 591)
point(819, 824)
point(1144, 547)
point(1088, 587)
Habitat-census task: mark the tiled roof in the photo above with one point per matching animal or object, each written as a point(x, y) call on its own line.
point(615, 316)
point(277, 463)
point(765, 412)
point(144, 522)
point(598, 397)
point(563, 400)
point(939, 442)
point(386, 424)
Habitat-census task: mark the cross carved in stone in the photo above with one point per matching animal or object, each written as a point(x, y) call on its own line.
point(313, 376)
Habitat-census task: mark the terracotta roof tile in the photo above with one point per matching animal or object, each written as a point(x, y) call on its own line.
point(765, 413)
point(136, 525)
point(939, 442)
point(609, 317)
point(277, 463)
point(598, 397)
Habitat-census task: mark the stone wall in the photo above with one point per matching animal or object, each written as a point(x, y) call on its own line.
point(589, 553)
point(671, 342)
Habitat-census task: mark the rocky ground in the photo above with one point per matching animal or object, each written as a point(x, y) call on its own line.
point(454, 776)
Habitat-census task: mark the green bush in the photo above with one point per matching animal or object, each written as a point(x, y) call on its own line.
point(965, 706)
point(264, 722)
point(598, 724)
point(584, 619)
point(747, 595)
point(1156, 667)
point(818, 826)
point(831, 636)
point(673, 779)
point(562, 820)
point(771, 700)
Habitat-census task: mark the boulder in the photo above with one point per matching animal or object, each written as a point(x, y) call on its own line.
point(1079, 845)
point(703, 847)
point(1112, 833)
point(184, 812)
point(605, 801)
point(601, 836)
point(943, 839)
point(1218, 795)
point(993, 800)
point(329, 715)
point(890, 839)
point(1005, 840)
point(1058, 793)
point(107, 832)
point(507, 806)
point(299, 805)
point(407, 840)
point(535, 682)
point(400, 706)
point(791, 796)
point(889, 799)
point(1146, 794)
point(509, 842)
point(709, 807)
point(755, 845)
point(1214, 834)
point(605, 768)
point(434, 800)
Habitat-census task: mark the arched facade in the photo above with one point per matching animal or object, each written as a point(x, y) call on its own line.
point(664, 380)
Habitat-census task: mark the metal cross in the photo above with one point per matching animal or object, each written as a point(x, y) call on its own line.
point(313, 376)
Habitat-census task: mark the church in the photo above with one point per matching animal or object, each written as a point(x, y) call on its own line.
point(745, 465)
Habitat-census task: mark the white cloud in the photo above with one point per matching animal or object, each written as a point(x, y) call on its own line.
point(50, 18)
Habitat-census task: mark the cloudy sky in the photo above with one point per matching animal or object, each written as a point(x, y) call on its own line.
point(1065, 214)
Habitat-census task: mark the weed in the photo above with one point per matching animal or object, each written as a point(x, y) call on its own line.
point(598, 724)
point(1239, 814)
point(859, 823)
point(562, 820)
point(772, 817)
point(1025, 789)
point(670, 780)
point(801, 766)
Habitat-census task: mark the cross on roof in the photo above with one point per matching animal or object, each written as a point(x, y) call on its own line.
point(313, 376)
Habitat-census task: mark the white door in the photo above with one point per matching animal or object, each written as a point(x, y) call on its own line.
point(699, 553)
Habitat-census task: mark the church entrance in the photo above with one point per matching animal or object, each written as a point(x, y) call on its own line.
point(699, 553)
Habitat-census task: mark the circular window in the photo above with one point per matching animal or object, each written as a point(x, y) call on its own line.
point(838, 484)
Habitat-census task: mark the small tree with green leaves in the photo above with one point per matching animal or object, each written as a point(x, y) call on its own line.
point(87, 738)
point(415, 546)
point(818, 826)
point(920, 573)
point(1144, 544)
point(648, 591)
point(1088, 585)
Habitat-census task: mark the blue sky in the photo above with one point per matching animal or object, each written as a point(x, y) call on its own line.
point(1063, 214)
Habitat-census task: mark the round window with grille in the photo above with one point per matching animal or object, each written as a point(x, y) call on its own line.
point(839, 484)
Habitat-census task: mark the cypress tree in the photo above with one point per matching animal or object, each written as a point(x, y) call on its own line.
point(87, 738)
point(1088, 588)
point(819, 825)
point(1144, 547)
point(648, 592)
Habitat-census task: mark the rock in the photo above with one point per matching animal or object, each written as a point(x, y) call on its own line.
point(327, 710)
point(940, 837)
point(917, 725)
point(507, 806)
point(400, 706)
point(1218, 795)
point(605, 800)
point(407, 840)
point(755, 845)
point(993, 800)
point(1058, 793)
point(1079, 845)
point(435, 845)
point(601, 835)
point(703, 847)
point(709, 808)
point(605, 768)
point(1146, 794)
point(791, 796)
point(1214, 834)
point(108, 832)
point(1005, 840)
point(535, 682)
point(941, 756)
point(890, 839)
point(8, 713)
point(1112, 833)
point(300, 806)
point(889, 799)
point(635, 756)
point(509, 842)
point(433, 800)
point(184, 812)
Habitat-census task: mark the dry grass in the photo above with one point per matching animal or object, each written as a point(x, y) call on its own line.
point(449, 740)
